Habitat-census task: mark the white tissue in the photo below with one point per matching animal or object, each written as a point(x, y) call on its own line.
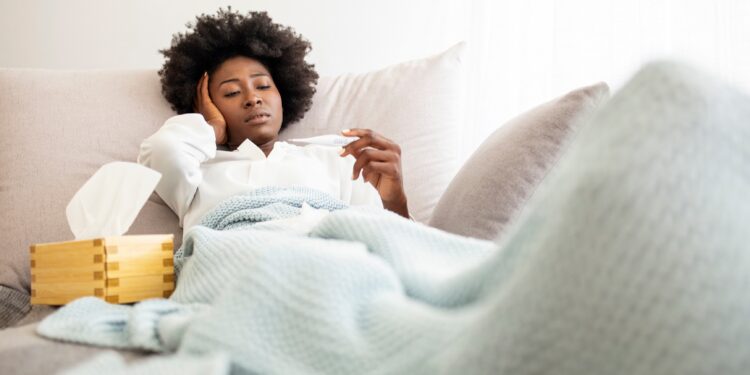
point(108, 203)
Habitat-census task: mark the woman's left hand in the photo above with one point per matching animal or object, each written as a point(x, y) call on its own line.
point(379, 161)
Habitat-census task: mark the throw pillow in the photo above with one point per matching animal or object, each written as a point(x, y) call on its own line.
point(500, 176)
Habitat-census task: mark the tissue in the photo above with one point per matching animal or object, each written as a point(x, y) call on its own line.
point(108, 203)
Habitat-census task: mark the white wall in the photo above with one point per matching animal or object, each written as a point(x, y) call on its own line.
point(347, 36)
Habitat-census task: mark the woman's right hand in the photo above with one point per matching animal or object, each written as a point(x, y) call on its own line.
point(210, 112)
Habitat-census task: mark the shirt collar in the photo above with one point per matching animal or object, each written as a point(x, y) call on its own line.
point(253, 152)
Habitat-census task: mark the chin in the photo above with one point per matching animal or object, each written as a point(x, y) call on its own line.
point(256, 134)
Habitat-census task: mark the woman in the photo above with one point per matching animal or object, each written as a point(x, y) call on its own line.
point(236, 81)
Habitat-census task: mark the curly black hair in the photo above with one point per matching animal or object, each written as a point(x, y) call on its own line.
point(215, 38)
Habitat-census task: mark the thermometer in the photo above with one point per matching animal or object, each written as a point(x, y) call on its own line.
point(325, 140)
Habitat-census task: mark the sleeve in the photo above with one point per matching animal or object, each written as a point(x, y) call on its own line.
point(364, 194)
point(176, 151)
point(360, 193)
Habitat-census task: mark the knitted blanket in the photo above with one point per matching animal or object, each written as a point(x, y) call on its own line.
point(631, 258)
point(269, 297)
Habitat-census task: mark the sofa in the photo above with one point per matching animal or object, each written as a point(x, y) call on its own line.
point(60, 126)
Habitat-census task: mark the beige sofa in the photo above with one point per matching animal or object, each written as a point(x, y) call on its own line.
point(60, 126)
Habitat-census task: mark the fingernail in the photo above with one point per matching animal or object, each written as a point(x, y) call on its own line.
point(346, 130)
point(341, 152)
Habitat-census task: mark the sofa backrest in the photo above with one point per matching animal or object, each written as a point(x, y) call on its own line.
point(58, 128)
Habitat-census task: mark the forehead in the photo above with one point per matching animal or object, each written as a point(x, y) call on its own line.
point(240, 66)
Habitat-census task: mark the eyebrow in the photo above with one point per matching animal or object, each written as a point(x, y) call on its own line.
point(237, 79)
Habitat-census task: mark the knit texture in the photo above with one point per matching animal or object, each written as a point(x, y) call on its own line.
point(267, 203)
point(260, 206)
point(631, 258)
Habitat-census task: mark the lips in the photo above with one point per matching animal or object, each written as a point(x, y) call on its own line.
point(258, 117)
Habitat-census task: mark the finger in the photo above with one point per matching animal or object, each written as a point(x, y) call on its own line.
point(360, 163)
point(372, 155)
point(367, 138)
point(204, 89)
point(359, 132)
point(197, 102)
point(355, 149)
point(371, 176)
point(383, 169)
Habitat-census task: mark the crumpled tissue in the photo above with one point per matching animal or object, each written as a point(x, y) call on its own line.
point(108, 203)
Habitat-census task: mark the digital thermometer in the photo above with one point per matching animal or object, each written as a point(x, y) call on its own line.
point(325, 140)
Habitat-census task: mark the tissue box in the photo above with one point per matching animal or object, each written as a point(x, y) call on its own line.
point(118, 269)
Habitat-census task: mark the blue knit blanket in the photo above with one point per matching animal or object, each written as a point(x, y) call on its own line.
point(631, 258)
point(278, 302)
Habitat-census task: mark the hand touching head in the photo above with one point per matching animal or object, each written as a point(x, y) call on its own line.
point(245, 97)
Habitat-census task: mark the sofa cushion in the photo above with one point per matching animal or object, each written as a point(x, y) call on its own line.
point(501, 175)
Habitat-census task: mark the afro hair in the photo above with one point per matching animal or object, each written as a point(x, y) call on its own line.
point(213, 39)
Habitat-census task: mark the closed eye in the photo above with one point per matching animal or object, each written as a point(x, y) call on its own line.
point(231, 94)
point(264, 87)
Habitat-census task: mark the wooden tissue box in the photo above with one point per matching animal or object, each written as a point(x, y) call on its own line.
point(119, 269)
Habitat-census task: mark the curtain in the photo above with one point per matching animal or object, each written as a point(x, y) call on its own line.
point(524, 53)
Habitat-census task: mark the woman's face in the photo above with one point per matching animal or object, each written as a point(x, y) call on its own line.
point(244, 91)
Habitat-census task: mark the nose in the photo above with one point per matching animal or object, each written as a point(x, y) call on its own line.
point(253, 100)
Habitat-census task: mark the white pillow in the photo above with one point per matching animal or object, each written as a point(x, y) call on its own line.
point(417, 104)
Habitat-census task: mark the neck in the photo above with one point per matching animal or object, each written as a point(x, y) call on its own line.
point(267, 147)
